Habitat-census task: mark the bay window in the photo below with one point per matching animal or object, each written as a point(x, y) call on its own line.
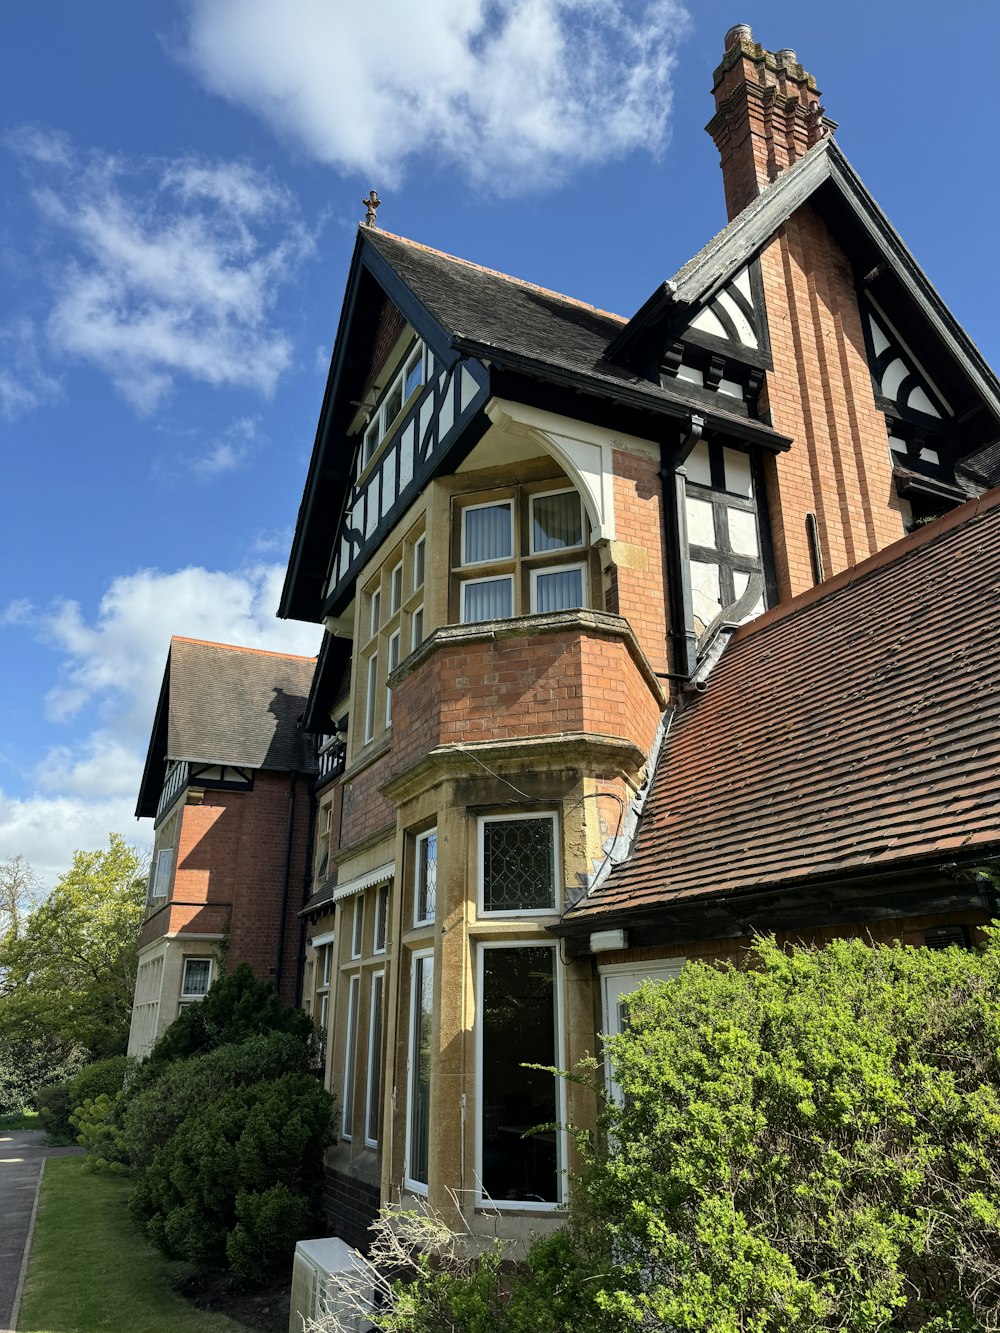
point(515, 556)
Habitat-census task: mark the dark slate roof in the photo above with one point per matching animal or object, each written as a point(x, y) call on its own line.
point(222, 704)
point(491, 314)
point(855, 729)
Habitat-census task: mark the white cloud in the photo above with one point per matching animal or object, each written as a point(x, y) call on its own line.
point(111, 669)
point(24, 385)
point(516, 92)
point(165, 268)
point(228, 451)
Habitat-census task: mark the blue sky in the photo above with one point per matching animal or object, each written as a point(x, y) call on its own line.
point(179, 188)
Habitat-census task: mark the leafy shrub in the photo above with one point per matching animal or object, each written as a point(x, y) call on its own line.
point(27, 1066)
point(236, 1007)
point(56, 1104)
point(225, 1171)
point(98, 1131)
point(165, 1094)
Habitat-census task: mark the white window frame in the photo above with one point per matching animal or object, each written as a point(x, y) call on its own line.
point(358, 927)
point(350, 1057)
point(155, 894)
point(416, 1186)
point(481, 822)
point(415, 639)
point(618, 980)
point(371, 701)
point(380, 424)
point(581, 565)
point(493, 559)
point(488, 578)
point(372, 1069)
point(419, 920)
point(374, 612)
point(381, 919)
point(390, 666)
point(419, 561)
point(395, 588)
point(482, 1200)
point(195, 995)
point(544, 495)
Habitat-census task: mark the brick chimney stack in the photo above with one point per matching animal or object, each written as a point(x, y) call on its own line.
point(767, 115)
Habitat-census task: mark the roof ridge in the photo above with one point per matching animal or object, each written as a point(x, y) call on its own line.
point(507, 277)
point(240, 648)
point(888, 555)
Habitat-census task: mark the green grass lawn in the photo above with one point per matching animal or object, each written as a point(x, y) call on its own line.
point(92, 1272)
point(20, 1120)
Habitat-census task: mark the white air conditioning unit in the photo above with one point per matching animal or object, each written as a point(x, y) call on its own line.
point(317, 1289)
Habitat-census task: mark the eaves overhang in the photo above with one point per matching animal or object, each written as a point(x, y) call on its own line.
point(328, 480)
point(648, 400)
point(155, 767)
point(943, 882)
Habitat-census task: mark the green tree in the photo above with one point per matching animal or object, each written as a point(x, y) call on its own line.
point(67, 979)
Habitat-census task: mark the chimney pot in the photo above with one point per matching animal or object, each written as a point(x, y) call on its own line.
point(739, 32)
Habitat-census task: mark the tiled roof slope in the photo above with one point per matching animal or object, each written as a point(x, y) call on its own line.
point(485, 307)
point(854, 728)
point(238, 706)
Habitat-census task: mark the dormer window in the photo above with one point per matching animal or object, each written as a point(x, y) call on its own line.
point(401, 389)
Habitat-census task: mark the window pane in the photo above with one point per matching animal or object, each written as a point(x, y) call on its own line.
point(395, 589)
point(163, 863)
point(417, 628)
point(560, 590)
point(351, 1056)
point(392, 406)
point(414, 372)
point(370, 700)
point(419, 551)
point(376, 606)
point(359, 925)
point(518, 1017)
point(556, 522)
point(197, 972)
point(488, 534)
point(420, 1068)
point(373, 1117)
point(518, 865)
point(487, 599)
point(381, 918)
point(426, 894)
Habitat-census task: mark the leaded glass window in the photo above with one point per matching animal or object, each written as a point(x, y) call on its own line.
point(425, 887)
point(518, 864)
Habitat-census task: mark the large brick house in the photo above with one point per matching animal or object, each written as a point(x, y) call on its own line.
point(552, 764)
point(627, 656)
point(227, 782)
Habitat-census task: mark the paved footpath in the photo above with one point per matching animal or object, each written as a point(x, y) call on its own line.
point(22, 1153)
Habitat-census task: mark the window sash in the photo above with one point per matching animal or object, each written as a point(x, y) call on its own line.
point(373, 1100)
point(419, 562)
point(425, 885)
point(511, 1098)
point(370, 700)
point(358, 926)
point(395, 588)
point(164, 865)
point(392, 662)
point(556, 521)
point(488, 532)
point(497, 863)
point(487, 599)
point(350, 1058)
point(561, 588)
point(202, 968)
point(419, 1079)
point(416, 628)
point(381, 918)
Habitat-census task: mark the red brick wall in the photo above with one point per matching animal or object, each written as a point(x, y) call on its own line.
point(231, 869)
point(365, 809)
point(522, 686)
point(820, 394)
point(640, 594)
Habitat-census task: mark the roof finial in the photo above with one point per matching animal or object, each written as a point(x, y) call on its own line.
point(371, 204)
